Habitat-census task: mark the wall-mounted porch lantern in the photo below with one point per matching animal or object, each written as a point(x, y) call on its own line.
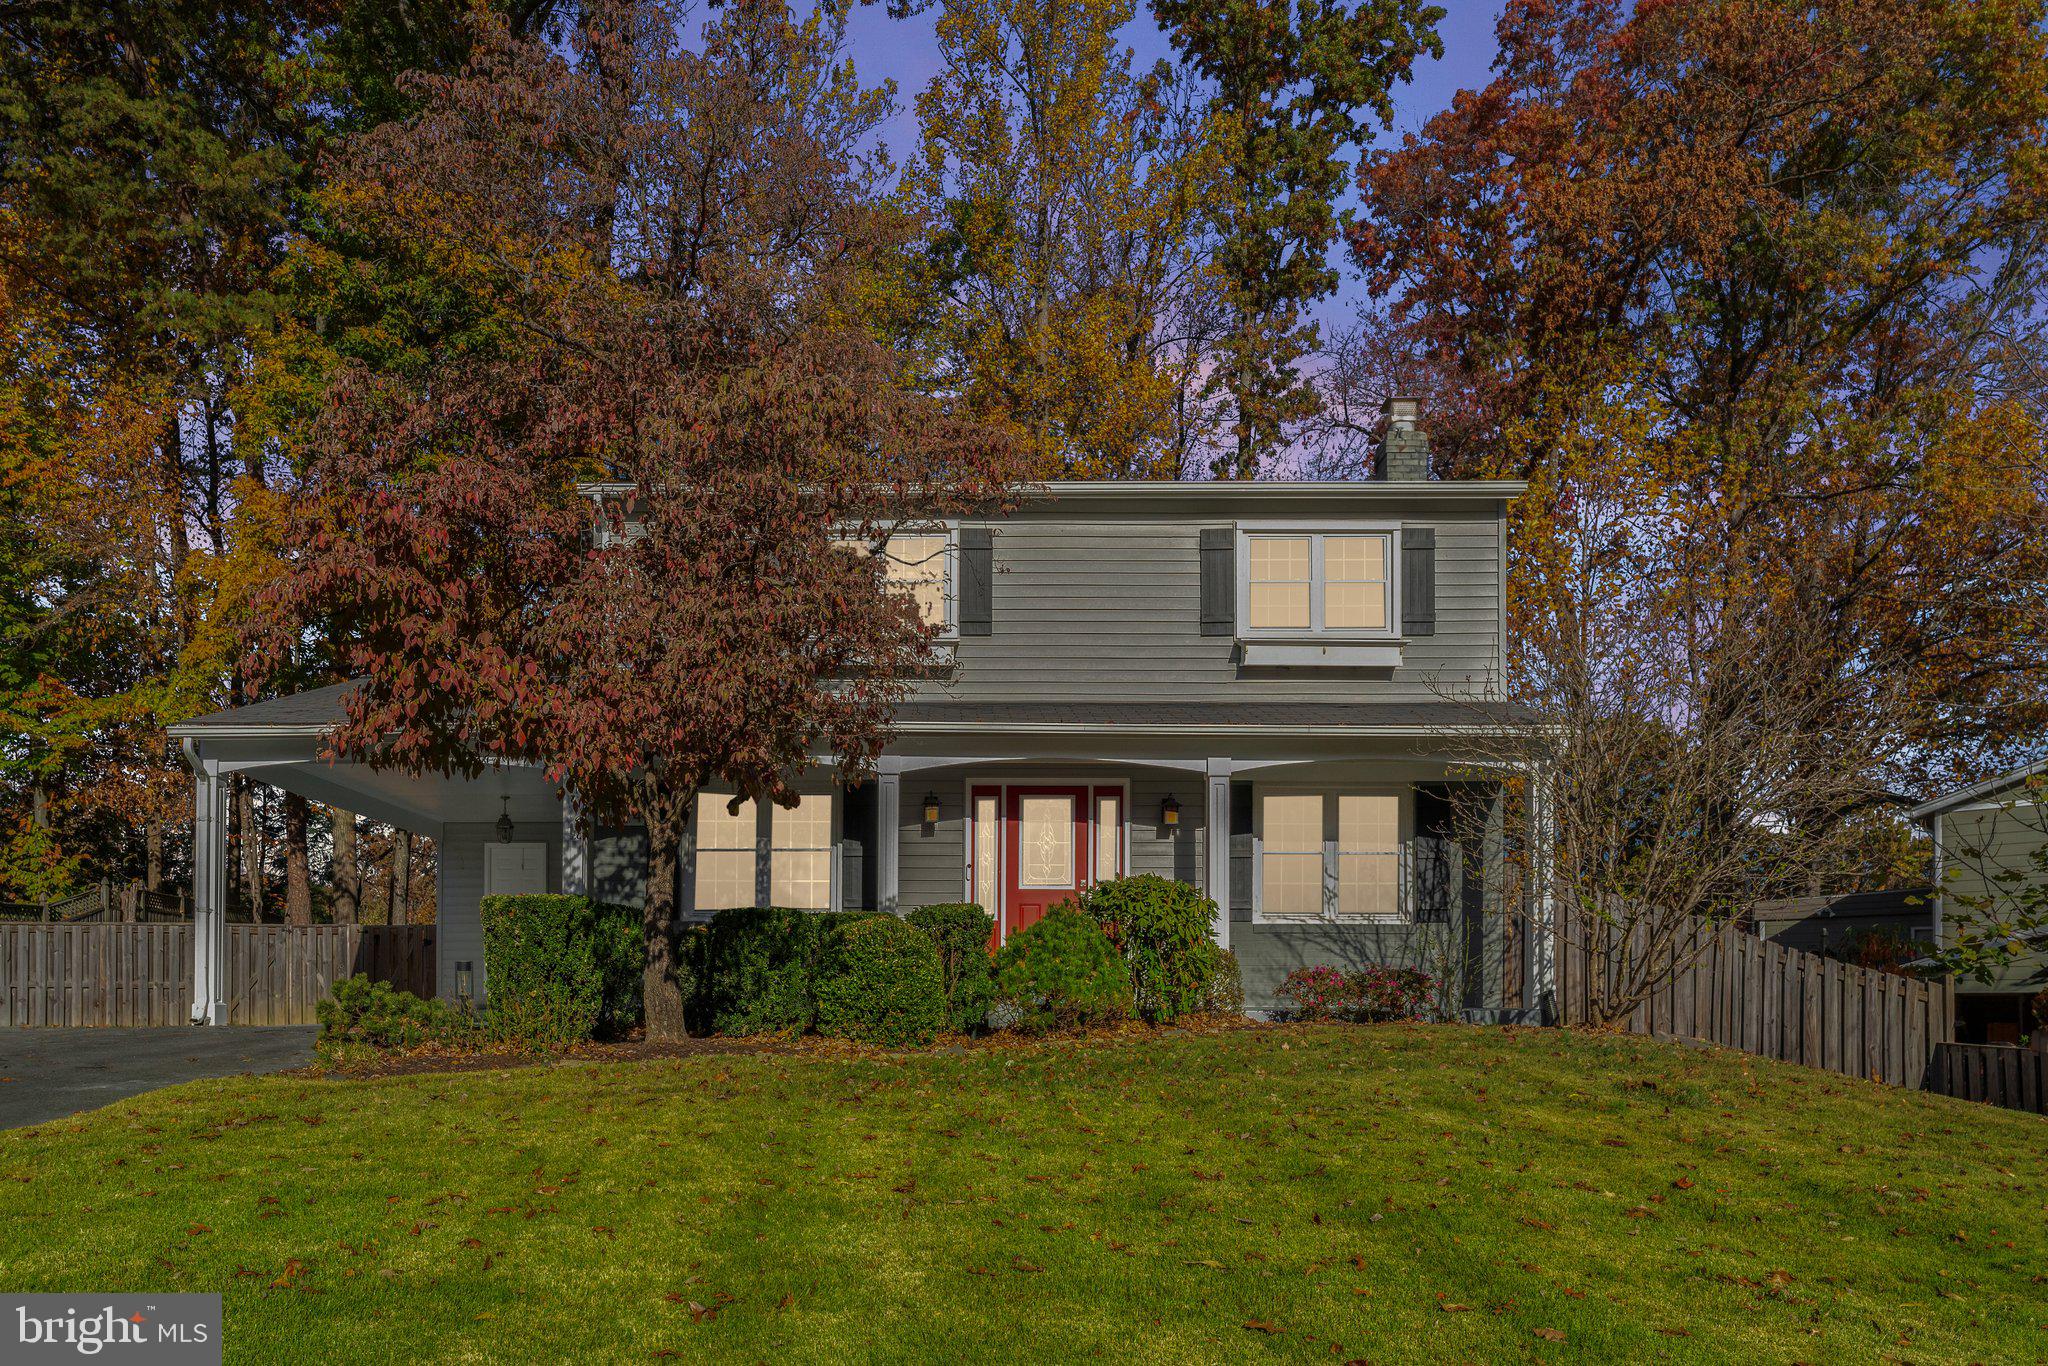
point(1169, 812)
point(465, 980)
point(504, 825)
point(931, 808)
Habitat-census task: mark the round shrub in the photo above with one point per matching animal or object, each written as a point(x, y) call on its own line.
point(879, 982)
point(961, 931)
point(1160, 927)
point(1062, 972)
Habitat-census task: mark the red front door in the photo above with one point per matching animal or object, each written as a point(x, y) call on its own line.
point(1045, 852)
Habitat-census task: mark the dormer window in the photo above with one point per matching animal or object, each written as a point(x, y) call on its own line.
point(1317, 585)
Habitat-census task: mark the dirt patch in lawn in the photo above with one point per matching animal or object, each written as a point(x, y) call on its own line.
point(436, 1059)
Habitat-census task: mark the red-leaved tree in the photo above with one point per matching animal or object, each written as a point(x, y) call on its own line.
point(648, 251)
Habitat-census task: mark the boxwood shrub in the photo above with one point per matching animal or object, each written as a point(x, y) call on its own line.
point(960, 932)
point(1062, 972)
point(560, 969)
point(878, 981)
point(1159, 926)
point(757, 968)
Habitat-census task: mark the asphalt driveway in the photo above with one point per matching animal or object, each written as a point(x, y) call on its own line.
point(47, 1074)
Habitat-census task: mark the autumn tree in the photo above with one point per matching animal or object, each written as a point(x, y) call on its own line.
point(1294, 88)
point(1808, 239)
point(669, 241)
point(1065, 285)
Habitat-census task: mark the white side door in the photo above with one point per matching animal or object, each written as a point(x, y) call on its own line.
point(515, 869)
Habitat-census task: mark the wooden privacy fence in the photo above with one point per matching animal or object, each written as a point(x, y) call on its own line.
point(1722, 985)
point(141, 974)
point(1996, 1074)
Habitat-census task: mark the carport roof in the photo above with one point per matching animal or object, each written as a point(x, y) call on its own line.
point(318, 710)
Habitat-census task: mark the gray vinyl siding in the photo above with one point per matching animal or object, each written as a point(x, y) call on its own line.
point(1988, 854)
point(1109, 609)
point(459, 934)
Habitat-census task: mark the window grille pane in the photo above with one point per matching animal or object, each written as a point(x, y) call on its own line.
point(987, 836)
point(725, 879)
point(1292, 823)
point(1369, 885)
point(1355, 583)
point(1277, 574)
point(801, 879)
point(807, 825)
point(1368, 823)
point(1108, 836)
point(718, 829)
point(917, 565)
point(1291, 884)
point(1045, 842)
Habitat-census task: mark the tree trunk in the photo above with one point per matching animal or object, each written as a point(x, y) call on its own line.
point(345, 873)
point(401, 877)
point(252, 848)
point(298, 886)
point(661, 990)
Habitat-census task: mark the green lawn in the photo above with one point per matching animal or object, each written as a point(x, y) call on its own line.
point(1393, 1194)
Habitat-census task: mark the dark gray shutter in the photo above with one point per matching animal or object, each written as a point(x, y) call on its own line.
point(1241, 849)
point(977, 568)
point(1219, 581)
point(1418, 581)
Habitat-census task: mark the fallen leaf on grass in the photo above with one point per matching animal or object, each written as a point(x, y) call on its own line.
point(1450, 1308)
point(786, 1302)
point(1551, 1334)
point(1262, 1326)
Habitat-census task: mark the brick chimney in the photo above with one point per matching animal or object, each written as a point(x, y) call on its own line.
point(1404, 446)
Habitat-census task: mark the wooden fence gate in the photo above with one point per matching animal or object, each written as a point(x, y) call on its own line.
point(141, 974)
point(1725, 986)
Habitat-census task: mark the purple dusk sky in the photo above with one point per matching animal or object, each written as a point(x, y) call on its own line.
point(903, 50)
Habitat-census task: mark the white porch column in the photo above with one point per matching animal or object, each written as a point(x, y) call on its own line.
point(888, 830)
point(1216, 822)
point(1542, 867)
point(575, 849)
point(209, 890)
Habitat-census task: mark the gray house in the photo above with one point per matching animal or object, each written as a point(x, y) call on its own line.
point(1284, 693)
point(1989, 841)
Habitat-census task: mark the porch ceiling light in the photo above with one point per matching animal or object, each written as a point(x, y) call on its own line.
point(504, 824)
point(1169, 811)
point(931, 808)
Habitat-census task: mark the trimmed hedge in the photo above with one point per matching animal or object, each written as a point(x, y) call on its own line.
point(960, 932)
point(878, 981)
point(560, 969)
point(758, 966)
point(1062, 972)
point(1159, 926)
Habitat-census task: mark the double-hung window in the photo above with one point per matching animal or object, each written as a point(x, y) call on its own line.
point(1328, 855)
point(762, 854)
point(1304, 584)
point(919, 563)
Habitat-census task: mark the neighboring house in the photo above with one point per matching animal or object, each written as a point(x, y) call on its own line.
point(1832, 924)
point(1988, 843)
point(1274, 691)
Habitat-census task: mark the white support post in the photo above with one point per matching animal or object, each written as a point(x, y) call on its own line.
point(888, 830)
point(209, 890)
point(1216, 820)
point(575, 849)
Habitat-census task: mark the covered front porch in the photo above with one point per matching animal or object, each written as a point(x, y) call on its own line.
point(1323, 840)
